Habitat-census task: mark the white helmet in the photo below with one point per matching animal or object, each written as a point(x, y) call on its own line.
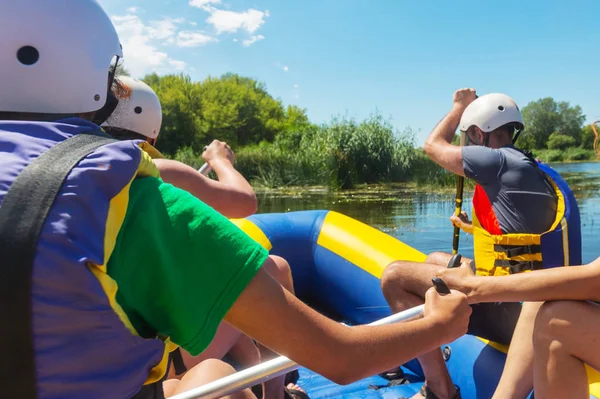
point(491, 111)
point(139, 112)
point(55, 56)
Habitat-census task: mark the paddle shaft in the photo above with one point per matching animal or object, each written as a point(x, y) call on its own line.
point(270, 369)
point(204, 169)
point(460, 183)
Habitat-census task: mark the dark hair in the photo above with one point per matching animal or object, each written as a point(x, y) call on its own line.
point(123, 134)
point(509, 129)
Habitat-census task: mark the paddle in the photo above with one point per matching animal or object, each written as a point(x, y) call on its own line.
point(596, 138)
point(282, 365)
point(205, 169)
point(460, 183)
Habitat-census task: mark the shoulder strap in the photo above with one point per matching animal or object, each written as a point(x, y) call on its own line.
point(23, 213)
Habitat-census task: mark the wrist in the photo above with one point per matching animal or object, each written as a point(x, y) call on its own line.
point(216, 163)
point(476, 290)
point(459, 107)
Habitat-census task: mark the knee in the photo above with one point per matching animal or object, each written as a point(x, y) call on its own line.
point(281, 271)
point(213, 369)
point(438, 258)
point(393, 277)
point(550, 322)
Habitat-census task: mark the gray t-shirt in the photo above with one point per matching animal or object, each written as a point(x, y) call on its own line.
point(522, 199)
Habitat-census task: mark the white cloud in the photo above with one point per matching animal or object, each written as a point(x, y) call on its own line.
point(231, 21)
point(132, 10)
point(192, 39)
point(236, 40)
point(252, 40)
point(203, 3)
point(296, 86)
point(164, 29)
point(178, 65)
point(141, 54)
point(286, 68)
point(193, 23)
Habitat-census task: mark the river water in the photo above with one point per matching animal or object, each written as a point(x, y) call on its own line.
point(421, 219)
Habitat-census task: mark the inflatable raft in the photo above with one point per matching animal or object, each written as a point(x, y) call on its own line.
point(336, 265)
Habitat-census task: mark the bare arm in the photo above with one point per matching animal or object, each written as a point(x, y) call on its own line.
point(562, 283)
point(439, 147)
point(278, 320)
point(231, 195)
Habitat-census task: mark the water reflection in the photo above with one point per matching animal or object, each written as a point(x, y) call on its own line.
point(420, 219)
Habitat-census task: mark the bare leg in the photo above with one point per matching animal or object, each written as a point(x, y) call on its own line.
point(438, 258)
point(565, 337)
point(242, 349)
point(404, 285)
point(517, 378)
point(203, 373)
point(225, 338)
point(280, 270)
point(282, 273)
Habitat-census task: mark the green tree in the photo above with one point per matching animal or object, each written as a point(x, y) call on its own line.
point(239, 110)
point(588, 137)
point(545, 116)
point(182, 125)
point(559, 141)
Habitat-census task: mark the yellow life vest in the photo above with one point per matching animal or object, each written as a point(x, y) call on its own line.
point(498, 254)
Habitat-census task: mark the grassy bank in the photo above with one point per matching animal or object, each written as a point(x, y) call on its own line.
point(344, 154)
point(339, 155)
point(572, 154)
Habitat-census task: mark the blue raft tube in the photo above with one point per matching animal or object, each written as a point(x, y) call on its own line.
point(336, 264)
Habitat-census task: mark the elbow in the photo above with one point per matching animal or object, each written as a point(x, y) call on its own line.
point(337, 372)
point(248, 205)
point(342, 376)
point(252, 203)
point(428, 148)
point(241, 206)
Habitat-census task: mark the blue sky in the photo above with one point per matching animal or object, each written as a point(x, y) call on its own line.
point(348, 57)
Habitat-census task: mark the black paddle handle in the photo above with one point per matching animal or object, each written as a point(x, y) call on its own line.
point(438, 283)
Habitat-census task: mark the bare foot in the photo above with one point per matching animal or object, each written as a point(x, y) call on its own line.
point(293, 389)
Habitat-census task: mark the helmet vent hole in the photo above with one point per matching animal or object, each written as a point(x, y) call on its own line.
point(97, 97)
point(28, 55)
point(138, 110)
point(501, 108)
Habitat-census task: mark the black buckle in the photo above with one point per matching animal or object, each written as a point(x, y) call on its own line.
point(517, 250)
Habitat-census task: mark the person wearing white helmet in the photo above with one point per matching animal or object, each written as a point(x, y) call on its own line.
point(104, 265)
point(525, 218)
point(138, 115)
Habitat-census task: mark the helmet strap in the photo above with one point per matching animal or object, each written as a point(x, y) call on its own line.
point(486, 139)
point(517, 136)
point(109, 107)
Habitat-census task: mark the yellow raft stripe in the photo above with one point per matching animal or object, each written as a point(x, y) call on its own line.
point(594, 380)
point(253, 231)
point(363, 245)
point(371, 250)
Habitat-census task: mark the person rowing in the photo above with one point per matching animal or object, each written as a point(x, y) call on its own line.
point(114, 265)
point(138, 115)
point(525, 218)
